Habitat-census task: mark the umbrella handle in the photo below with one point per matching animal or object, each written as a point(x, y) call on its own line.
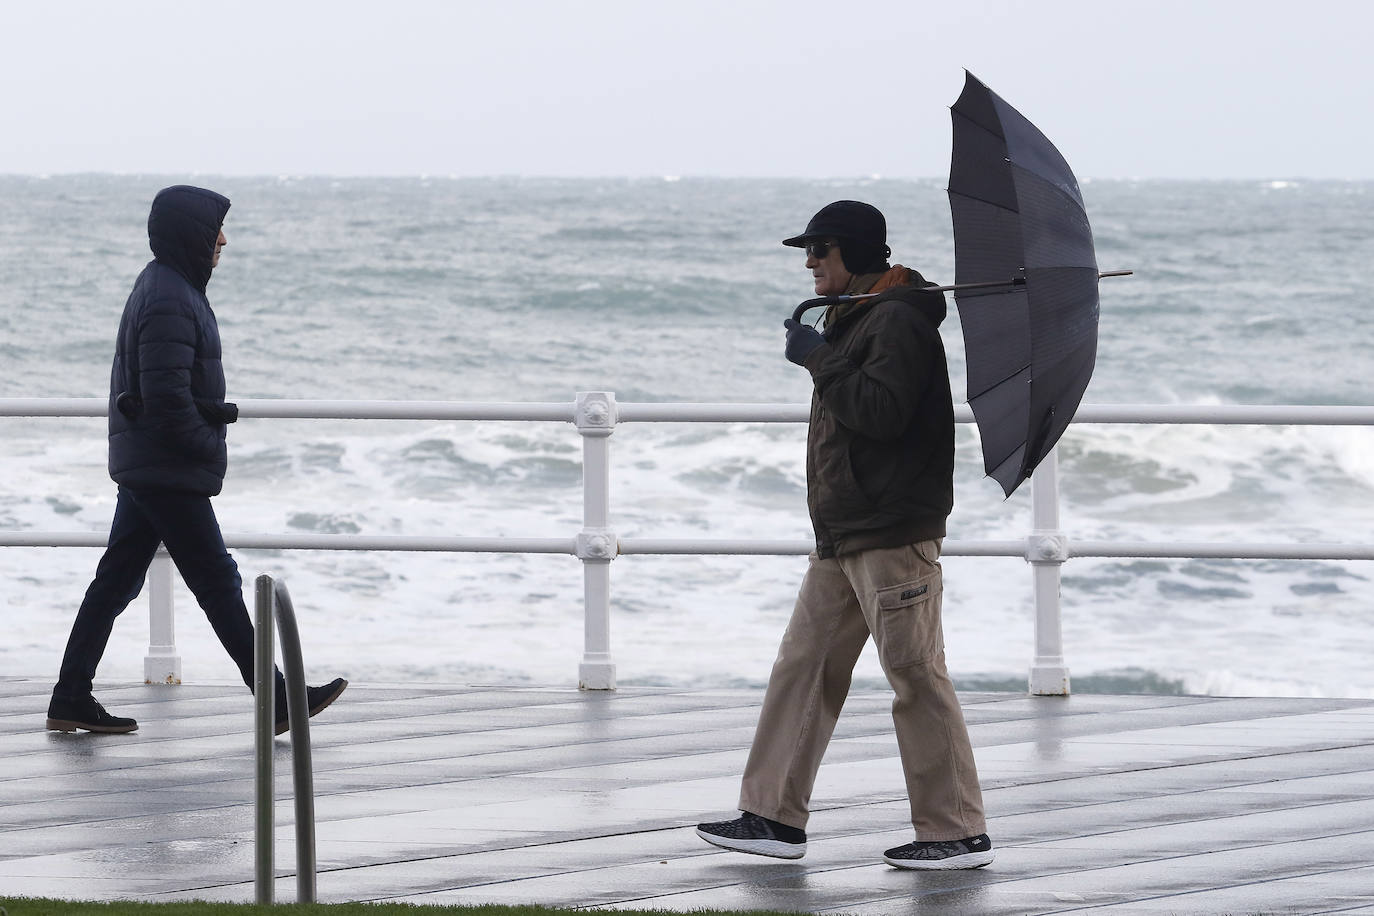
point(810, 304)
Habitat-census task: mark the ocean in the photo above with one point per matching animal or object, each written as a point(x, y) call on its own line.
point(513, 289)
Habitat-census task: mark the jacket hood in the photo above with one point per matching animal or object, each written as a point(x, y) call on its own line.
point(928, 303)
point(183, 226)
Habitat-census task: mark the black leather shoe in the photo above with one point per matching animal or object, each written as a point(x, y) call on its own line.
point(85, 714)
point(316, 699)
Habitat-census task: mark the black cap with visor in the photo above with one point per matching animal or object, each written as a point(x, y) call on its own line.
point(860, 228)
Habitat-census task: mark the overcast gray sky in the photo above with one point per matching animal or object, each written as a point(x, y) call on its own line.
point(843, 88)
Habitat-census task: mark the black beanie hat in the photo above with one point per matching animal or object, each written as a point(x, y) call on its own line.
point(861, 229)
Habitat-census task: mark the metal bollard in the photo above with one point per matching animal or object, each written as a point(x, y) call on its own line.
point(298, 716)
point(264, 722)
point(273, 602)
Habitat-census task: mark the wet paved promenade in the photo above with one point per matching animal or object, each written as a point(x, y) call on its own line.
point(432, 794)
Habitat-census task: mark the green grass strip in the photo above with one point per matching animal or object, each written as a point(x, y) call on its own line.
point(42, 906)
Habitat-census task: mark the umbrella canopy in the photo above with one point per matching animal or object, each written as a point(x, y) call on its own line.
point(1030, 340)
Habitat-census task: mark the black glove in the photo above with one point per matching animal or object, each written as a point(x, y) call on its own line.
point(217, 413)
point(802, 339)
point(129, 404)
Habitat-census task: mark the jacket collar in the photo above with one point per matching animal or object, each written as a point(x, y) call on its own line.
point(897, 282)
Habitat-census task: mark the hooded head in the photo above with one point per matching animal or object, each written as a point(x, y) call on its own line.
point(860, 229)
point(183, 227)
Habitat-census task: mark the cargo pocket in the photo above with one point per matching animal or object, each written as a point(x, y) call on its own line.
point(909, 621)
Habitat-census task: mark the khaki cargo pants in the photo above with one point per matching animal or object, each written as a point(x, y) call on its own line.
point(894, 594)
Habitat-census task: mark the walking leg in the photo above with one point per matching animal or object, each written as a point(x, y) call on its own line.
point(806, 690)
point(901, 589)
point(191, 533)
point(118, 580)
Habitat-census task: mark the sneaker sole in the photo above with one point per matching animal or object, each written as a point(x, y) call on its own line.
point(774, 849)
point(284, 724)
point(67, 725)
point(968, 860)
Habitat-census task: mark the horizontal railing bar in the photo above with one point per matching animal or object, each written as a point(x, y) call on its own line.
point(714, 413)
point(403, 543)
point(280, 408)
point(1217, 551)
point(1227, 414)
point(671, 546)
point(683, 546)
point(1198, 414)
point(53, 407)
point(292, 409)
point(720, 547)
point(273, 408)
point(52, 539)
point(321, 542)
point(983, 549)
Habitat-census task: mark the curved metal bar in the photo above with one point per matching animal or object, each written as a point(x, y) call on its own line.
point(298, 718)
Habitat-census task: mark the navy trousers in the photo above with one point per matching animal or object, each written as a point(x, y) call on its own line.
point(186, 524)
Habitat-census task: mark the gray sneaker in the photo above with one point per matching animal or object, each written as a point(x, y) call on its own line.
point(756, 835)
point(973, 852)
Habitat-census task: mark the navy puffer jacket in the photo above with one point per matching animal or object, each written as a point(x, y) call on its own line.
point(167, 431)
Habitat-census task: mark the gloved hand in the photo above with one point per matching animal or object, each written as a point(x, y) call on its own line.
point(802, 339)
point(217, 413)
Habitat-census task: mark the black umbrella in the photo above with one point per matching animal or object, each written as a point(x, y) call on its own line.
point(1031, 339)
point(1025, 282)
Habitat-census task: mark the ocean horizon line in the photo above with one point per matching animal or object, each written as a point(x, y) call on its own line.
point(656, 177)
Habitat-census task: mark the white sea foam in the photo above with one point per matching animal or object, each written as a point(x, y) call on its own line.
point(675, 291)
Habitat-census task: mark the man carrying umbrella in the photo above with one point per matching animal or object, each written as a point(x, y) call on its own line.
point(879, 473)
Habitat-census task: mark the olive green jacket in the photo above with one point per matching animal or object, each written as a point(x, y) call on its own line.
point(880, 444)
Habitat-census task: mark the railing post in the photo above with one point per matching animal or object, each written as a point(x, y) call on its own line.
point(162, 664)
point(1046, 550)
point(595, 416)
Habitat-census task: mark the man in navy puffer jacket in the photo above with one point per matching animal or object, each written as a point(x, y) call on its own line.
point(167, 419)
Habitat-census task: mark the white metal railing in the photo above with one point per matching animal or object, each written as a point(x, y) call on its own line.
point(595, 414)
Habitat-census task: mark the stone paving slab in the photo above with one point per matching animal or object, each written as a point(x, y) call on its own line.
point(451, 794)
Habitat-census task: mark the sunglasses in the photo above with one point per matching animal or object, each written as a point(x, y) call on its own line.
point(819, 250)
